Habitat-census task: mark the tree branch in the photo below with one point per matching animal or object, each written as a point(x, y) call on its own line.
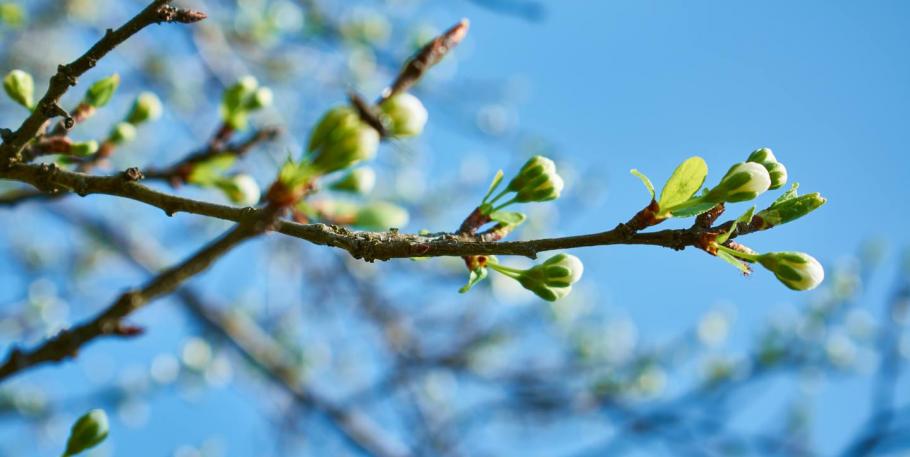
point(110, 321)
point(48, 107)
point(369, 246)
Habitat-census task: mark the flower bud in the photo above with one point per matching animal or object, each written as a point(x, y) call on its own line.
point(762, 155)
point(776, 170)
point(84, 149)
point(88, 431)
point(797, 270)
point(240, 189)
point(381, 216)
point(147, 107)
point(790, 210)
point(537, 181)
point(20, 87)
point(359, 181)
point(405, 115)
point(553, 279)
point(744, 181)
point(262, 98)
point(123, 132)
point(100, 93)
point(340, 140)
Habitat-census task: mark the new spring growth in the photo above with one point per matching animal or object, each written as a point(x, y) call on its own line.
point(147, 107)
point(776, 170)
point(244, 97)
point(358, 181)
point(789, 207)
point(20, 87)
point(403, 115)
point(537, 181)
point(550, 280)
point(796, 270)
point(381, 215)
point(88, 431)
point(101, 92)
point(340, 140)
point(240, 189)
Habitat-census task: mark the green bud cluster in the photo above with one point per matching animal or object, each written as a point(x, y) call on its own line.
point(88, 431)
point(776, 170)
point(101, 92)
point(146, 108)
point(340, 140)
point(404, 115)
point(550, 280)
point(20, 87)
point(244, 97)
point(536, 181)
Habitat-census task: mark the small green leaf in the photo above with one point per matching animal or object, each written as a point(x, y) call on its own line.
point(790, 194)
point(734, 261)
point(508, 217)
point(685, 181)
point(644, 180)
point(745, 218)
point(493, 185)
point(477, 275)
point(694, 210)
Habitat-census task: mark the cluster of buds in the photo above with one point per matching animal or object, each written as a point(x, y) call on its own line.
point(743, 182)
point(550, 280)
point(796, 270)
point(776, 170)
point(537, 181)
point(88, 431)
point(404, 115)
point(244, 97)
point(20, 87)
point(340, 140)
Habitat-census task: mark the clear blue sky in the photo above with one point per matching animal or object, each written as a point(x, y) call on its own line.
point(643, 84)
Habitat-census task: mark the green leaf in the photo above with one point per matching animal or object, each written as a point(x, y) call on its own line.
point(734, 261)
point(477, 275)
point(508, 217)
point(644, 180)
point(745, 218)
point(790, 194)
point(493, 185)
point(685, 181)
point(694, 210)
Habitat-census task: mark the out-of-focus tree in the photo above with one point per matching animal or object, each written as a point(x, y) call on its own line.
point(359, 356)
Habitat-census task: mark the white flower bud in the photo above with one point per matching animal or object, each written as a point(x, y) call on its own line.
point(553, 279)
point(744, 181)
point(406, 115)
point(340, 140)
point(776, 170)
point(88, 431)
point(797, 270)
point(537, 181)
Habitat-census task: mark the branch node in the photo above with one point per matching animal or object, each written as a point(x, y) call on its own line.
point(133, 174)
